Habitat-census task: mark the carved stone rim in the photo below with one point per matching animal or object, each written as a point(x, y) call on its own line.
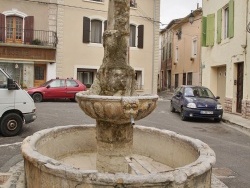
point(179, 175)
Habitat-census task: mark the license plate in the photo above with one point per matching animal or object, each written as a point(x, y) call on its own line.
point(207, 112)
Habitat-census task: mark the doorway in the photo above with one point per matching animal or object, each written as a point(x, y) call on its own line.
point(240, 73)
point(40, 74)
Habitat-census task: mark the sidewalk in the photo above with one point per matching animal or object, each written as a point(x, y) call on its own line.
point(233, 120)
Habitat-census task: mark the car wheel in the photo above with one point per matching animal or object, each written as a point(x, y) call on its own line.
point(183, 117)
point(217, 119)
point(37, 97)
point(11, 124)
point(172, 109)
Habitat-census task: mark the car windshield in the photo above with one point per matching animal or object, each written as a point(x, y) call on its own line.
point(198, 92)
point(45, 84)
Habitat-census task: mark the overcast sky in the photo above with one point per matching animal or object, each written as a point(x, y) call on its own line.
point(173, 9)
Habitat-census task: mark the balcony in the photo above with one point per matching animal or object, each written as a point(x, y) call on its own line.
point(28, 37)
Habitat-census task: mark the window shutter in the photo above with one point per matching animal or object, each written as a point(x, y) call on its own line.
point(86, 30)
point(231, 18)
point(2, 27)
point(204, 31)
point(105, 25)
point(219, 25)
point(210, 30)
point(140, 36)
point(28, 29)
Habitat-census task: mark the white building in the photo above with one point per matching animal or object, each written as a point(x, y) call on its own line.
point(225, 53)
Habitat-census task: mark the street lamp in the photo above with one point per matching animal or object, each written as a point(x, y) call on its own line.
point(191, 17)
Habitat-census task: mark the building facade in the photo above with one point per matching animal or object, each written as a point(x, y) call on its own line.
point(28, 41)
point(80, 50)
point(77, 27)
point(183, 54)
point(225, 53)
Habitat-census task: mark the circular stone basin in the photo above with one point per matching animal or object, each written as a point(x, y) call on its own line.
point(116, 109)
point(65, 157)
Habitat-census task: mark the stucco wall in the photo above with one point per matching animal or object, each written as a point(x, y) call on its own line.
point(228, 53)
point(72, 53)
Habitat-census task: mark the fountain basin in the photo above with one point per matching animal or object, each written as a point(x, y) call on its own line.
point(116, 109)
point(190, 160)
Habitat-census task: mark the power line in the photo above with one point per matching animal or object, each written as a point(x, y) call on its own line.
point(91, 9)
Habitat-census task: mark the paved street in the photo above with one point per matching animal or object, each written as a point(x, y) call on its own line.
point(232, 148)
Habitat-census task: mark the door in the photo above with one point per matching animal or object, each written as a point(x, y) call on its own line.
point(14, 29)
point(240, 73)
point(40, 74)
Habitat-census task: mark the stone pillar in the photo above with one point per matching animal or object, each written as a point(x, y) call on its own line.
point(114, 142)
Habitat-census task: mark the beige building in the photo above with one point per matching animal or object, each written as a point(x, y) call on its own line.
point(182, 50)
point(80, 50)
point(28, 41)
point(225, 53)
point(79, 25)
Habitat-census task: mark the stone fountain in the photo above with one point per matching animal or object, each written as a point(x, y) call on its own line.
point(115, 152)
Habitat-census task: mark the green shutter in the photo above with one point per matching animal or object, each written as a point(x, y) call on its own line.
point(210, 30)
point(219, 25)
point(204, 29)
point(231, 18)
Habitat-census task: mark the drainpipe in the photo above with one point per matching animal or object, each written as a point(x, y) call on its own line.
point(153, 56)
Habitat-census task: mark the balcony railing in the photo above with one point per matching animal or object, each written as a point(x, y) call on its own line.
point(28, 37)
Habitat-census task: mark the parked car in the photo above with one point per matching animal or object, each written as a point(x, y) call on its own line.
point(196, 102)
point(57, 89)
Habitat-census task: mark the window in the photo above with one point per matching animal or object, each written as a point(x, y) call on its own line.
point(189, 78)
point(133, 3)
point(226, 22)
point(176, 54)
point(57, 83)
point(194, 47)
point(132, 37)
point(136, 36)
point(96, 31)
point(3, 80)
point(93, 30)
point(14, 29)
point(86, 76)
point(138, 78)
point(176, 80)
point(184, 79)
point(71, 83)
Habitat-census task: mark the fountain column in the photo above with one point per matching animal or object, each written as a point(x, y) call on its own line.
point(115, 78)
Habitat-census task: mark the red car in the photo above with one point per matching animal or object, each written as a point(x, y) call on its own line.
point(57, 89)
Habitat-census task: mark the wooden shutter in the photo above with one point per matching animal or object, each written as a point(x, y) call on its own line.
point(86, 30)
point(210, 30)
point(219, 25)
point(28, 29)
point(140, 36)
point(204, 31)
point(231, 18)
point(105, 25)
point(2, 27)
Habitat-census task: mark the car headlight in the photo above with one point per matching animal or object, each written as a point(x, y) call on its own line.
point(191, 105)
point(219, 106)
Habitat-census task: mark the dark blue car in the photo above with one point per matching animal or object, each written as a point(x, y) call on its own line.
point(196, 102)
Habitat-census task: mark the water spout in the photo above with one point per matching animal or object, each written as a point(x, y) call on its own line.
point(132, 120)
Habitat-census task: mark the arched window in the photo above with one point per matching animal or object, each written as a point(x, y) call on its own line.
point(96, 31)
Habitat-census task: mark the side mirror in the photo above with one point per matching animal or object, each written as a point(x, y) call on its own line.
point(178, 94)
point(48, 86)
point(11, 85)
point(217, 97)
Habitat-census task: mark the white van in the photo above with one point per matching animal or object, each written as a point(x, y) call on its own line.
point(16, 106)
